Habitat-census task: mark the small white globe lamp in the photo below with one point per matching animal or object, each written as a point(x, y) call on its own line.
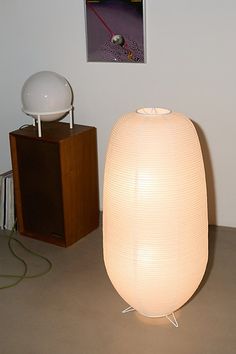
point(47, 96)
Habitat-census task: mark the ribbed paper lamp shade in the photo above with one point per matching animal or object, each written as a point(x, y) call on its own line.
point(155, 211)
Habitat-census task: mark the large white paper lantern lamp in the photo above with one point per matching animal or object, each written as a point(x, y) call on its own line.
point(155, 211)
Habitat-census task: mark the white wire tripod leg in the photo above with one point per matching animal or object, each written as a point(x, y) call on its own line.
point(71, 118)
point(39, 127)
point(173, 319)
point(129, 309)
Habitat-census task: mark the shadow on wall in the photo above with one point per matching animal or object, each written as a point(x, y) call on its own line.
point(211, 197)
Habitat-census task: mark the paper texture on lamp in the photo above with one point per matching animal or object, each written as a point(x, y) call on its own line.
point(155, 211)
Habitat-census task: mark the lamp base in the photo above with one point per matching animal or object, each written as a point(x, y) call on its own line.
point(37, 117)
point(170, 317)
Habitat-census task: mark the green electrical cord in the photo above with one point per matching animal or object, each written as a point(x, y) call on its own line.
point(20, 277)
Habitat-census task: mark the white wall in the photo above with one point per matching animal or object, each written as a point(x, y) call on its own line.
point(191, 58)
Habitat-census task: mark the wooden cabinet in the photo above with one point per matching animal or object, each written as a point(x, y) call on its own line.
point(56, 182)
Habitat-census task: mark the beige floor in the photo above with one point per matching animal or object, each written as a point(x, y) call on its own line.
point(75, 310)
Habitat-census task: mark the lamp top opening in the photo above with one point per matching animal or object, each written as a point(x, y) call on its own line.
point(153, 111)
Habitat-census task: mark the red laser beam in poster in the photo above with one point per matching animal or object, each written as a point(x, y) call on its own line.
point(101, 19)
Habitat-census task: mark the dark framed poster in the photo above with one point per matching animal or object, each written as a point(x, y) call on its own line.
point(115, 31)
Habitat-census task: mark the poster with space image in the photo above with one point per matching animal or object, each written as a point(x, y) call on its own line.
point(115, 31)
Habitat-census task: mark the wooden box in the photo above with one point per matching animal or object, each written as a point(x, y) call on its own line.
point(56, 182)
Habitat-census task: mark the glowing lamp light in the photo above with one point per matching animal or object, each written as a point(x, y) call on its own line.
point(155, 222)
